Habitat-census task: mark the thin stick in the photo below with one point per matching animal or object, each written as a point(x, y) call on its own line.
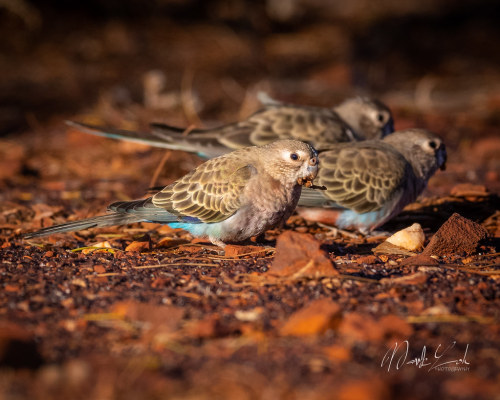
point(165, 158)
point(175, 265)
point(159, 168)
point(421, 319)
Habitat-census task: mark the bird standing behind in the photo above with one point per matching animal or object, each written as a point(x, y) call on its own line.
point(370, 182)
point(227, 199)
point(354, 119)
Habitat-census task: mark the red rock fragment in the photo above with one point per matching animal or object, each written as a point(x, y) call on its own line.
point(338, 353)
point(469, 190)
point(138, 246)
point(160, 282)
point(299, 255)
point(420, 259)
point(208, 327)
point(367, 260)
point(232, 250)
point(356, 327)
point(99, 269)
point(417, 278)
point(395, 326)
point(158, 317)
point(456, 235)
point(313, 319)
point(168, 242)
point(373, 389)
point(10, 288)
point(190, 248)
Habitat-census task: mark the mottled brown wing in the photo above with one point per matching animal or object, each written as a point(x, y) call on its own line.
point(362, 176)
point(211, 192)
point(317, 126)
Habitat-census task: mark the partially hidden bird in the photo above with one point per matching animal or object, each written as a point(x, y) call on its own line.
point(354, 119)
point(367, 183)
point(226, 199)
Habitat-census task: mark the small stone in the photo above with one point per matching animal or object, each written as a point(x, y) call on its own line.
point(300, 255)
point(469, 190)
point(411, 238)
point(313, 319)
point(367, 260)
point(420, 259)
point(168, 242)
point(233, 250)
point(415, 279)
point(457, 235)
point(99, 269)
point(138, 246)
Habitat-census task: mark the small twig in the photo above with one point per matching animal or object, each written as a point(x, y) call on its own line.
point(94, 248)
point(421, 319)
point(175, 265)
point(103, 316)
point(165, 158)
point(468, 269)
point(188, 130)
point(250, 253)
point(159, 168)
point(359, 278)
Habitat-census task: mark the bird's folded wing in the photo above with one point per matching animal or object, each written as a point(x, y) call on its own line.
point(362, 177)
point(210, 193)
point(315, 125)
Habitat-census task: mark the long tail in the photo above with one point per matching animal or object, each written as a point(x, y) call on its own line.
point(101, 221)
point(203, 143)
point(148, 138)
point(123, 212)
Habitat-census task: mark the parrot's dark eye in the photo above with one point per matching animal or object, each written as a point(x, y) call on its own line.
point(294, 156)
point(380, 117)
point(433, 144)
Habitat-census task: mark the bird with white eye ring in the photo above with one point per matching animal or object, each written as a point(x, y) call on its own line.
point(367, 183)
point(353, 120)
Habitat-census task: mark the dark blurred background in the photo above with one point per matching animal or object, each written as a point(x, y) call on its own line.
point(208, 58)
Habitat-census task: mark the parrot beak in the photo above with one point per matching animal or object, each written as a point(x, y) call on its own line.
point(388, 128)
point(312, 169)
point(442, 157)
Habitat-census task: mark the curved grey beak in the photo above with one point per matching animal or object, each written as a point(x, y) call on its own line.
point(388, 128)
point(442, 157)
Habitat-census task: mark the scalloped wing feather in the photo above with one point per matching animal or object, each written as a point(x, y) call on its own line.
point(363, 178)
point(212, 192)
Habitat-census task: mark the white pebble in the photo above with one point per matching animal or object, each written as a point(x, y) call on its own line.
point(411, 238)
